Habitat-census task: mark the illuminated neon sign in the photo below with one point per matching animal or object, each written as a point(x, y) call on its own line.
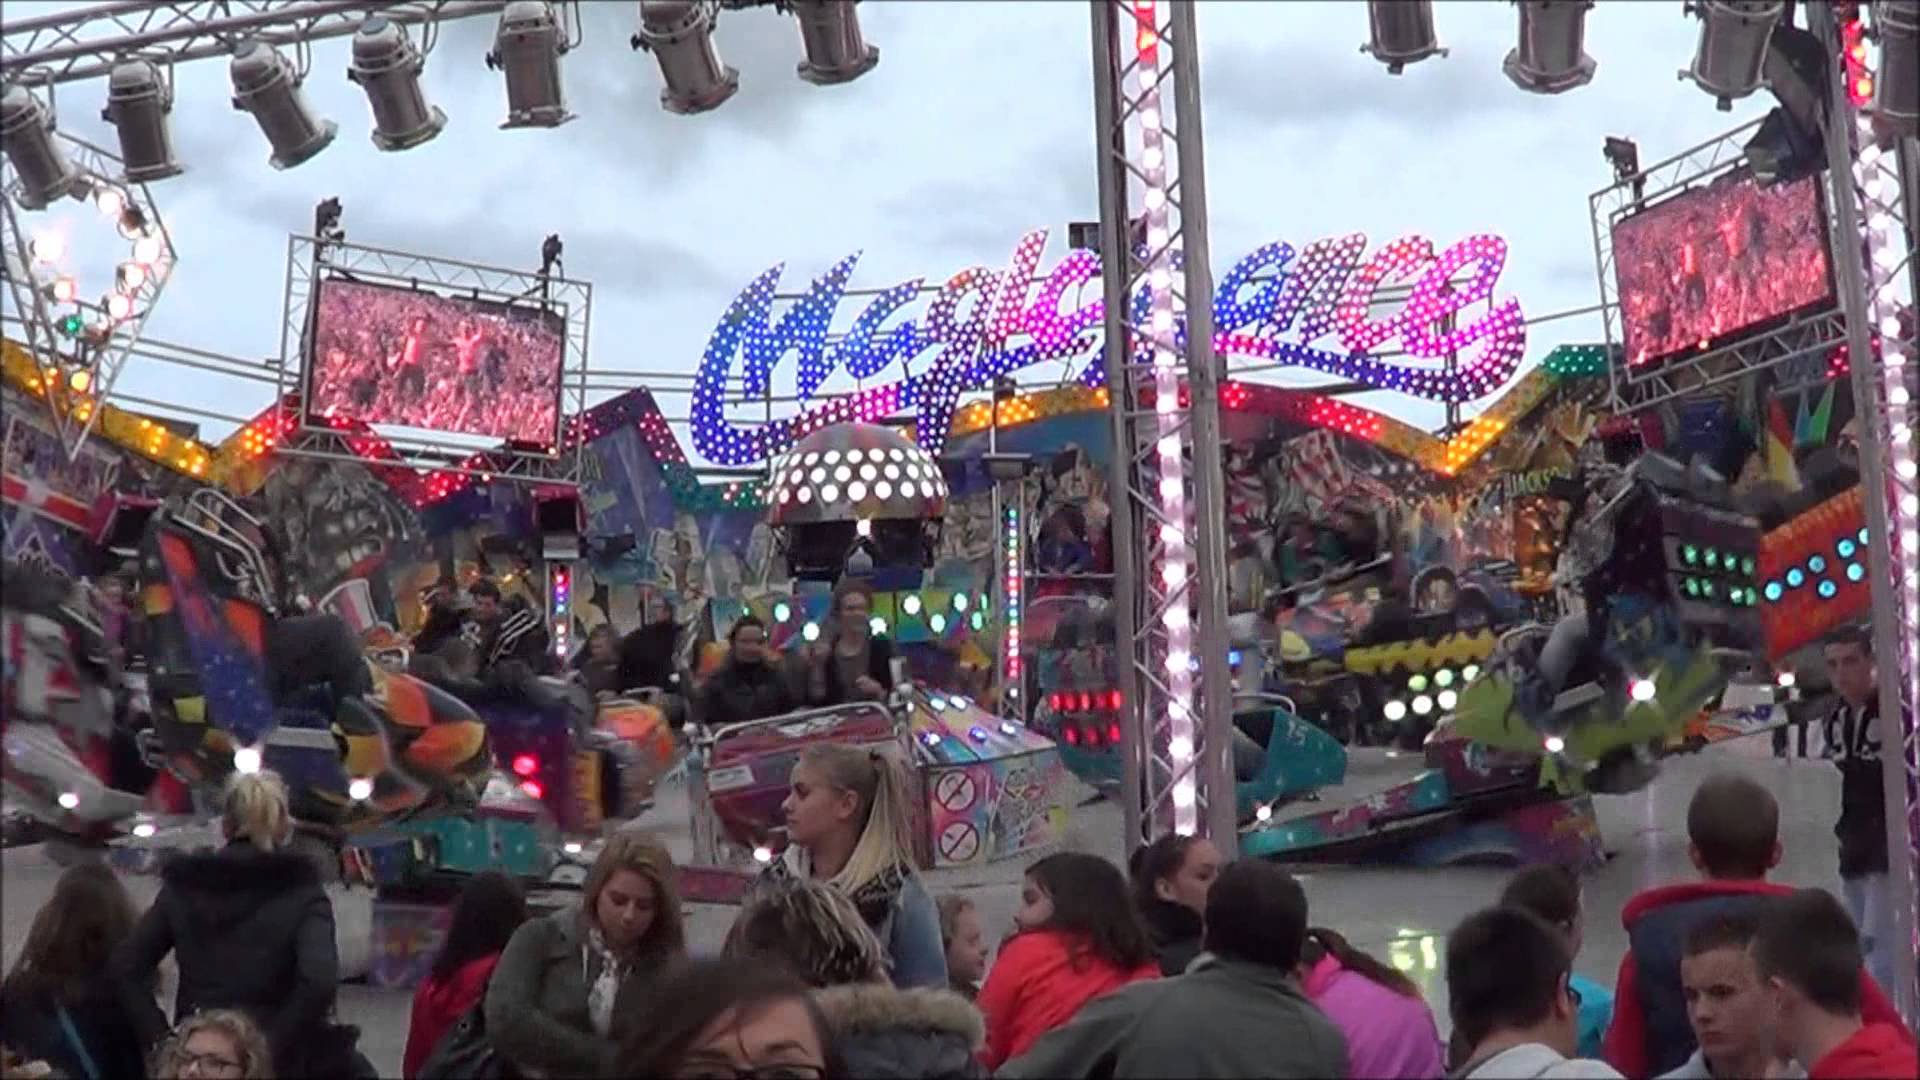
point(1272, 307)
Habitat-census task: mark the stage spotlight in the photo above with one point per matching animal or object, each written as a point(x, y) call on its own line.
point(26, 131)
point(528, 47)
point(679, 34)
point(387, 67)
point(1733, 46)
point(830, 33)
point(1402, 33)
point(1896, 88)
point(139, 97)
point(267, 86)
point(1551, 57)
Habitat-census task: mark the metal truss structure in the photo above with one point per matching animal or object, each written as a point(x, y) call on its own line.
point(1790, 343)
point(1874, 210)
point(86, 43)
point(1169, 558)
point(86, 363)
point(311, 260)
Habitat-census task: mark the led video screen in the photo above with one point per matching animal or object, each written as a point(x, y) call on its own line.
point(387, 355)
point(1717, 261)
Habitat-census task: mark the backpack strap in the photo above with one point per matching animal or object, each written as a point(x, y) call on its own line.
point(87, 1066)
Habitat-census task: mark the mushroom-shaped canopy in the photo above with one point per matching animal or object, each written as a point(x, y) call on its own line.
point(850, 472)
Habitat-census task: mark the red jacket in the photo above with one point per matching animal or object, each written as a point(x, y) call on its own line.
point(1875, 1052)
point(1650, 1034)
point(438, 1005)
point(1039, 980)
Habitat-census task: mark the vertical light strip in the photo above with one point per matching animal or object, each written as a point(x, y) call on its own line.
point(560, 596)
point(1162, 317)
point(1010, 606)
point(1876, 186)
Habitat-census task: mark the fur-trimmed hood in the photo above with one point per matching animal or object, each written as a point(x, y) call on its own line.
point(878, 1007)
point(916, 1034)
point(220, 891)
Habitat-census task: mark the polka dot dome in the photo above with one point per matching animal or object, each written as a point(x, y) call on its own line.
point(852, 471)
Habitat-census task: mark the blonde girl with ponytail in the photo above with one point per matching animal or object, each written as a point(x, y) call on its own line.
point(254, 808)
point(849, 825)
point(252, 930)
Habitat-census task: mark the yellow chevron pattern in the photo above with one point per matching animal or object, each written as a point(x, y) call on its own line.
point(1449, 651)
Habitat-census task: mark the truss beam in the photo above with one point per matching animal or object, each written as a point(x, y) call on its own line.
point(86, 43)
point(1872, 204)
point(1169, 559)
point(103, 347)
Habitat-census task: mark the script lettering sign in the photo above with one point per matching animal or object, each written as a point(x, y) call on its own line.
point(982, 324)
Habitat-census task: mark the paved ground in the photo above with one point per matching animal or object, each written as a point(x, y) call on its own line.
point(1402, 915)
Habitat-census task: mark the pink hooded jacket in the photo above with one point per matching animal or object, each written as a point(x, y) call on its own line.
point(1389, 1035)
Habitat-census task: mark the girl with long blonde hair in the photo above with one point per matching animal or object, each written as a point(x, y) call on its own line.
point(849, 824)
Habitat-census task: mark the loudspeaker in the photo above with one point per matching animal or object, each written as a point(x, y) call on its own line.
point(120, 520)
point(557, 518)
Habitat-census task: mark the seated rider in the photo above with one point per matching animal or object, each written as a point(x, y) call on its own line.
point(854, 664)
point(747, 686)
point(597, 664)
point(499, 631)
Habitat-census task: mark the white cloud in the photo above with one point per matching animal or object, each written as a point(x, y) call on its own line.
point(976, 127)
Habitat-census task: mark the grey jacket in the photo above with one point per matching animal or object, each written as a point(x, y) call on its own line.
point(884, 1033)
point(1223, 1018)
point(536, 1007)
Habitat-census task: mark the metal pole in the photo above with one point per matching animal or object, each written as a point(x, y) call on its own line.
point(1881, 482)
point(1203, 413)
point(1115, 252)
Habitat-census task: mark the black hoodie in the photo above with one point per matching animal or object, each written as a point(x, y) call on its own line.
point(647, 656)
point(1175, 929)
point(250, 930)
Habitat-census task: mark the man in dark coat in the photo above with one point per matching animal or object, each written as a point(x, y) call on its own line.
point(648, 653)
point(746, 687)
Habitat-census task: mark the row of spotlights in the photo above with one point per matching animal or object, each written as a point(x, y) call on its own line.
point(1729, 62)
point(387, 66)
point(1549, 58)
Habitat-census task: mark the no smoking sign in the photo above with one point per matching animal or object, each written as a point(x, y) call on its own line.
point(955, 791)
point(959, 842)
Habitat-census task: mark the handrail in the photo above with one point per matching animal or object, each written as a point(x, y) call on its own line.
point(245, 554)
point(710, 738)
point(1266, 697)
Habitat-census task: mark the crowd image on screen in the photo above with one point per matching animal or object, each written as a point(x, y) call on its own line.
point(1717, 260)
point(391, 356)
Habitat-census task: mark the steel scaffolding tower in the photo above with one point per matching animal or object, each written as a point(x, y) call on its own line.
point(1169, 562)
point(1873, 254)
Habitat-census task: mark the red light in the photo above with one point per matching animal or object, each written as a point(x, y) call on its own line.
point(1113, 734)
point(1114, 701)
point(525, 765)
point(1073, 736)
point(533, 789)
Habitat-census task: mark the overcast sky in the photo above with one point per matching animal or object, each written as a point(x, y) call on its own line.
point(976, 127)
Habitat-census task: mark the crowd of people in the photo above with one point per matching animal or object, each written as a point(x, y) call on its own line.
point(389, 356)
point(841, 963)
